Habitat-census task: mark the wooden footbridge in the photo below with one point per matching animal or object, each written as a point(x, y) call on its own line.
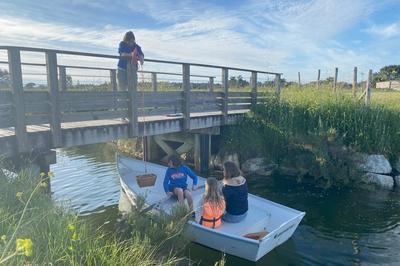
point(39, 120)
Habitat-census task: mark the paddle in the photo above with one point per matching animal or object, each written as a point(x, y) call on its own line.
point(157, 203)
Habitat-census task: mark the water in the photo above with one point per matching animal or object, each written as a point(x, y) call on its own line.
point(341, 227)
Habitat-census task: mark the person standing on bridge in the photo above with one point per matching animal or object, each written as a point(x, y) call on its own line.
point(128, 50)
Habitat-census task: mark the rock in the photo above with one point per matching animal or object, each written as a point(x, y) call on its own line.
point(218, 160)
point(253, 165)
point(267, 170)
point(397, 181)
point(382, 181)
point(288, 171)
point(375, 163)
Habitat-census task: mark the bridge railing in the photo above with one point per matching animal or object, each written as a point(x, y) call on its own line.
point(20, 108)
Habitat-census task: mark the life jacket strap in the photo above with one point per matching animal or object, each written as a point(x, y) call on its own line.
point(213, 220)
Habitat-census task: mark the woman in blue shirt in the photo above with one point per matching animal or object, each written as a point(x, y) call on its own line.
point(235, 193)
point(127, 50)
point(175, 180)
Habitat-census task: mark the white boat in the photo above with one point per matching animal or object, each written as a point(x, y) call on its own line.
point(280, 221)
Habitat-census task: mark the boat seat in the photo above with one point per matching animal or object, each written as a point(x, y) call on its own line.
point(255, 220)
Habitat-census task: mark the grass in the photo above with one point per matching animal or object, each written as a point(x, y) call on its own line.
point(34, 231)
point(323, 128)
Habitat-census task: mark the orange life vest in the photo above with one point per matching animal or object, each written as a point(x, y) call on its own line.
point(212, 215)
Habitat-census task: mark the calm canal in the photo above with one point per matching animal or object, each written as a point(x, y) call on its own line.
point(341, 227)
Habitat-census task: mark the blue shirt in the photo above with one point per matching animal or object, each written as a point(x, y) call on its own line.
point(127, 48)
point(177, 177)
point(236, 199)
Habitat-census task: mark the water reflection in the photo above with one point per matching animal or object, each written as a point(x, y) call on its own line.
point(341, 227)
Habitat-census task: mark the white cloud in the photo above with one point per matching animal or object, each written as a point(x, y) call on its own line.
point(284, 36)
point(385, 31)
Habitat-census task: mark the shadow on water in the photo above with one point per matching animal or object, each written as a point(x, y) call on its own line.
point(341, 227)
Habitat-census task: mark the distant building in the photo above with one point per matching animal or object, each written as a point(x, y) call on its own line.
point(393, 84)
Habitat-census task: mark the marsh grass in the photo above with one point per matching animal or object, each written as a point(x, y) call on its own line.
point(58, 236)
point(327, 127)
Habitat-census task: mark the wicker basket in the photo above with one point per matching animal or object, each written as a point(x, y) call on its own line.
point(146, 180)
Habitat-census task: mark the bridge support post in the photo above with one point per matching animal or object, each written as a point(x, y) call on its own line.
point(44, 160)
point(202, 152)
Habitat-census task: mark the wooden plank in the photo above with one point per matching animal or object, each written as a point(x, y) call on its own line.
point(37, 119)
point(37, 107)
point(6, 115)
point(186, 96)
point(79, 95)
point(239, 107)
point(14, 59)
point(233, 94)
point(240, 100)
point(5, 97)
point(36, 96)
point(96, 115)
point(52, 82)
point(159, 111)
point(88, 105)
point(206, 108)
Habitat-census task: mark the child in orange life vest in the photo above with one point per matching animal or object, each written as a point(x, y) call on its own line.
point(212, 205)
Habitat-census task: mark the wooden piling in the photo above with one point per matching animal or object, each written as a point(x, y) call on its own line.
point(52, 83)
point(335, 79)
point(354, 81)
point(113, 79)
point(299, 82)
point(186, 96)
point(154, 81)
point(278, 85)
point(225, 93)
point(211, 84)
point(318, 78)
point(253, 88)
point(14, 63)
point(368, 88)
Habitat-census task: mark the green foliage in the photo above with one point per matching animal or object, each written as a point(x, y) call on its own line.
point(60, 237)
point(317, 130)
point(387, 73)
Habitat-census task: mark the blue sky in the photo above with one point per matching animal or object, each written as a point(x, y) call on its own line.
point(284, 36)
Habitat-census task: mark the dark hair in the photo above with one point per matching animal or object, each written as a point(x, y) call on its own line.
point(174, 159)
point(231, 170)
point(129, 36)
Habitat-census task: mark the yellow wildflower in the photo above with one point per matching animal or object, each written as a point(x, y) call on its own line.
point(42, 174)
point(24, 246)
point(4, 237)
point(74, 237)
point(71, 248)
point(71, 227)
point(19, 194)
point(50, 174)
point(43, 184)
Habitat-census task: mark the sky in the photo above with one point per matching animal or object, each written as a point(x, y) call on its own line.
point(284, 36)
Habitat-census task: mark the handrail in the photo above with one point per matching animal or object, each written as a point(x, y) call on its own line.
point(32, 49)
point(107, 69)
